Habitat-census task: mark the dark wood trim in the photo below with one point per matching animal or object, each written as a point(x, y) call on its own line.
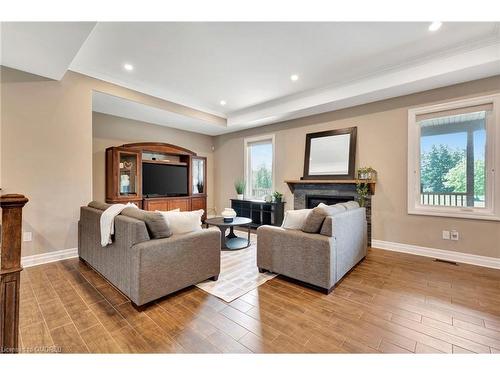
point(10, 271)
point(159, 147)
point(352, 154)
point(164, 162)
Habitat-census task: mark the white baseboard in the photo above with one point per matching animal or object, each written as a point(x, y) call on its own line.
point(54, 256)
point(453, 256)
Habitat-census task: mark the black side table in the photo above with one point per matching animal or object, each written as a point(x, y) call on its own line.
point(231, 241)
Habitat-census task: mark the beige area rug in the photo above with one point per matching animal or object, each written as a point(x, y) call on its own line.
point(239, 273)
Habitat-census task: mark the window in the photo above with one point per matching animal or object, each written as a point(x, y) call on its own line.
point(259, 166)
point(451, 160)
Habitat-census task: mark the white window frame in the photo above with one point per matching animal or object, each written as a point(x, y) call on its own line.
point(492, 162)
point(248, 141)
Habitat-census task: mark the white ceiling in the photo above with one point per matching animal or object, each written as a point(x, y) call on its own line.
point(43, 48)
point(249, 64)
point(116, 106)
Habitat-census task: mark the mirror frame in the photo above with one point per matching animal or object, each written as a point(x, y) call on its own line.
point(352, 154)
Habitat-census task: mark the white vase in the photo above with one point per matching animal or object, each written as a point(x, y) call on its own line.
point(239, 196)
point(228, 215)
point(228, 212)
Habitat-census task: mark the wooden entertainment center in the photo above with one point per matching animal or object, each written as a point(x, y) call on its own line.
point(124, 176)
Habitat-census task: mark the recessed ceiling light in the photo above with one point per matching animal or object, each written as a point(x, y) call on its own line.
point(294, 77)
point(128, 67)
point(222, 102)
point(435, 26)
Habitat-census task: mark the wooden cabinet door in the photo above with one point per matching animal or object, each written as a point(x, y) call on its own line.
point(199, 203)
point(156, 205)
point(184, 204)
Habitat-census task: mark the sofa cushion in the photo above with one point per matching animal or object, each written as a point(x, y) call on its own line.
point(295, 219)
point(155, 223)
point(351, 205)
point(316, 217)
point(183, 222)
point(99, 205)
point(333, 209)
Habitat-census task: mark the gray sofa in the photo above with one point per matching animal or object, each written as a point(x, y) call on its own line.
point(146, 269)
point(319, 259)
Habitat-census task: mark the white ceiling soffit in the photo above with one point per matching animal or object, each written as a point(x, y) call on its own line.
point(455, 68)
point(116, 106)
point(42, 48)
point(248, 65)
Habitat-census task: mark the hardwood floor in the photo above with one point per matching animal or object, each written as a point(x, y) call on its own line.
point(390, 303)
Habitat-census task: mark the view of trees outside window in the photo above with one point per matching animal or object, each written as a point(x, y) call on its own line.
point(448, 146)
point(260, 155)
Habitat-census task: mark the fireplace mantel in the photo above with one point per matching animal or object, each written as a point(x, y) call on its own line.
point(292, 183)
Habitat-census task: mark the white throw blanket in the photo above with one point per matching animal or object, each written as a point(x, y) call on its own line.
point(108, 221)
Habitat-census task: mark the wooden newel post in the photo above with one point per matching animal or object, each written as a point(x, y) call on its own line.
point(10, 270)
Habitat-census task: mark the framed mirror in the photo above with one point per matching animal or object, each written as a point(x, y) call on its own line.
point(330, 154)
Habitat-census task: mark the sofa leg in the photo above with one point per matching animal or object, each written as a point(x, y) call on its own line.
point(328, 291)
point(214, 278)
point(138, 308)
point(262, 270)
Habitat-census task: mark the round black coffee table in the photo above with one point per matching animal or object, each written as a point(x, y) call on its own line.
point(231, 241)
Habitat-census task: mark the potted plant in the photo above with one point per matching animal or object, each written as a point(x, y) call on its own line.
point(363, 191)
point(239, 186)
point(367, 173)
point(277, 196)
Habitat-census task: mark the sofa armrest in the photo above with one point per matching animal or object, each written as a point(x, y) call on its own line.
point(269, 230)
point(209, 234)
point(169, 264)
point(349, 231)
point(299, 255)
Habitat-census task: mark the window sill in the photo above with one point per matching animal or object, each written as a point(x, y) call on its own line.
point(454, 214)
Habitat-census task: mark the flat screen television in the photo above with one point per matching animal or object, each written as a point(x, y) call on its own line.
point(161, 180)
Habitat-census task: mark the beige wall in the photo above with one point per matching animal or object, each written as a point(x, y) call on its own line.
point(46, 150)
point(114, 131)
point(382, 144)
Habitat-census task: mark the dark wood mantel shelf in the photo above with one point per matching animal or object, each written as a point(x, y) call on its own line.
point(291, 183)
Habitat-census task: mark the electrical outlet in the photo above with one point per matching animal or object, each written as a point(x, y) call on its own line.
point(446, 234)
point(454, 235)
point(27, 236)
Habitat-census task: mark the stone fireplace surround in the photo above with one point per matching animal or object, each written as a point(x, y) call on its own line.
point(328, 193)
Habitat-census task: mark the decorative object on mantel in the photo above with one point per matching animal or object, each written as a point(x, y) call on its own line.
point(278, 197)
point(228, 214)
point(330, 154)
point(362, 190)
point(239, 186)
point(367, 173)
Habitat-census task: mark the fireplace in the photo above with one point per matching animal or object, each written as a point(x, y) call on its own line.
point(313, 200)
